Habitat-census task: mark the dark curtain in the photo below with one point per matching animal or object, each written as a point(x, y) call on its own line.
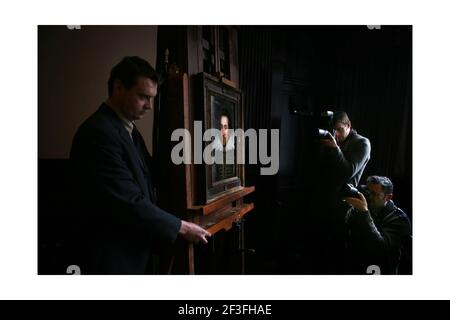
point(374, 85)
point(255, 80)
point(367, 73)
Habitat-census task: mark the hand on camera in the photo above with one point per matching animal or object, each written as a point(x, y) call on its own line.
point(360, 203)
point(329, 141)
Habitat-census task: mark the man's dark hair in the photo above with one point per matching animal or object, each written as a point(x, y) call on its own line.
point(226, 113)
point(129, 70)
point(341, 116)
point(384, 182)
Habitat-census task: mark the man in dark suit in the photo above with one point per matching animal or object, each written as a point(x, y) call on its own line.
point(113, 170)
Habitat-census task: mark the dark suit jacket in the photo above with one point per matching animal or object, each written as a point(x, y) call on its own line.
point(335, 168)
point(352, 157)
point(377, 239)
point(120, 221)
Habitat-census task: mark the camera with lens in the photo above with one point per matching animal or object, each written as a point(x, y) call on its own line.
point(323, 134)
point(350, 191)
point(319, 125)
point(324, 123)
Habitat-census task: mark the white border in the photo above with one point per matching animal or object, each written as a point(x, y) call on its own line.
point(18, 80)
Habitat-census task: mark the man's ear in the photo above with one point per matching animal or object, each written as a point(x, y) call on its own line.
point(117, 86)
point(349, 124)
point(389, 196)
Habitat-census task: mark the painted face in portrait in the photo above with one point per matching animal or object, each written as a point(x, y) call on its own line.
point(224, 130)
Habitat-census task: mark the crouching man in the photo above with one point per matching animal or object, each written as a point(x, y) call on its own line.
point(376, 229)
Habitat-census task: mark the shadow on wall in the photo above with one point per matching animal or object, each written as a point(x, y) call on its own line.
point(73, 70)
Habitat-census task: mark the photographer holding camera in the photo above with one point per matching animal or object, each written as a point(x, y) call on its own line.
point(350, 151)
point(340, 159)
point(376, 228)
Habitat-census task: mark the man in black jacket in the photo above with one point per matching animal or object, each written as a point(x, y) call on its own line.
point(341, 159)
point(113, 169)
point(377, 229)
point(348, 151)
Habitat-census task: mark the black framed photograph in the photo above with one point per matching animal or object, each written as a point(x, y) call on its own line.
point(219, 109)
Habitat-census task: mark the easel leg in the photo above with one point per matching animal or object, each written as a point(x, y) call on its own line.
point(191, 258)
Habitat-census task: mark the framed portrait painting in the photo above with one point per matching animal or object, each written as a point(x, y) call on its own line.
point(219, 108)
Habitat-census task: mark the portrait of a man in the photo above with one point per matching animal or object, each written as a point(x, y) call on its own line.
point(224, 142)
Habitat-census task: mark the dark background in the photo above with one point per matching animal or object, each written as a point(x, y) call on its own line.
point(368, 74)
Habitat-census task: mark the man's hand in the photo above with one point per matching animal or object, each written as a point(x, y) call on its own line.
point(193, 233)
point(330, 141)
point(360, 203)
